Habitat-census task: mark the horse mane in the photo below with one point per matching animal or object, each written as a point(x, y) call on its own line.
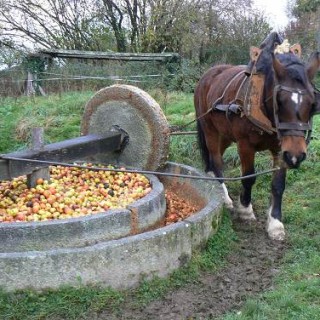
point(294, 67)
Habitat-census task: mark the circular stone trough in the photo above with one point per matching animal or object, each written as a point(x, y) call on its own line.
point(79, 251)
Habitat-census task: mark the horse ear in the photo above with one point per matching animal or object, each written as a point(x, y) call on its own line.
point(278, 67)
point(314, 65)
point(254, 53)
point(296, 49)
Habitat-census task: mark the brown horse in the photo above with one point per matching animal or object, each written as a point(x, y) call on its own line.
point(223, 98)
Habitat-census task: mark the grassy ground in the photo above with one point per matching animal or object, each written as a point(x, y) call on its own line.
point(297, 290)
point(297, 286)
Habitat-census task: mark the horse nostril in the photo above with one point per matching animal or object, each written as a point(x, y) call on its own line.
point(293, 161)
point(287, 157)
point(302, 157)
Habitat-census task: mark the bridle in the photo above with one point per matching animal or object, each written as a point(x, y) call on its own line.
point(300, 129)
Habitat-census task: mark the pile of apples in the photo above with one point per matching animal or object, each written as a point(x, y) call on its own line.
point(71, 192)
point(178, 208)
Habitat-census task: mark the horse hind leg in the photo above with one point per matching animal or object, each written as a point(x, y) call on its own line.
point(215, 167)
point(212, 147)
point(244, 208)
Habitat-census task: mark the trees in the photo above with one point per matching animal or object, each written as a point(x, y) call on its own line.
point(193, 28)
point(306, 27)
point(68, 24)
point(229, 29)
point(10, 57)
point(306, 6)
point(171, 25)
point(115, 16)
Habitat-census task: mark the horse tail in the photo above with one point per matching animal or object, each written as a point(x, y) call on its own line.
point(203, 146)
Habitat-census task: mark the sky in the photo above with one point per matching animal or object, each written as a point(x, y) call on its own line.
point(275, 11)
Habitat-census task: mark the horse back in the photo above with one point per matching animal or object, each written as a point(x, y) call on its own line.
point(212, 85)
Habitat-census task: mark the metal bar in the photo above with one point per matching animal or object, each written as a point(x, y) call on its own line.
point(20, 163)
point(157, 173)
point(180, 133)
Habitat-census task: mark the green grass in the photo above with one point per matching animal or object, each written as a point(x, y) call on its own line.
point(296, 292)
point(68, 303)
point(59, 116)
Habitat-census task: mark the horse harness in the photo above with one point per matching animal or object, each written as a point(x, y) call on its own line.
point(248, 102)
point(290, 128)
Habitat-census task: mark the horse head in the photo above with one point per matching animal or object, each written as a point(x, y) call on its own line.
point(294, 103)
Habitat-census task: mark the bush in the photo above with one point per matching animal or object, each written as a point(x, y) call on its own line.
point(187, 76)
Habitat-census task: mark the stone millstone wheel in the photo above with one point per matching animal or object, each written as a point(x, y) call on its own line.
point(139, 115)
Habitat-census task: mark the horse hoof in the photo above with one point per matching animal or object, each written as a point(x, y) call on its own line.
point(275, 229)
point(229, 204)
point(246, 213)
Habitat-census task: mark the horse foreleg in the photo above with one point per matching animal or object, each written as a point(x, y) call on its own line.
point(275, 227)
point(245, 209)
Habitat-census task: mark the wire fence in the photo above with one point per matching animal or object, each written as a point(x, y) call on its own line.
point(93, 75)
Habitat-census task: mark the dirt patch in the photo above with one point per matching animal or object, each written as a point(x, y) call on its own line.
point(249, 270)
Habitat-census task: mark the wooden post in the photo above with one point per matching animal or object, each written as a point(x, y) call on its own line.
point(29, 85)
point(37, 145)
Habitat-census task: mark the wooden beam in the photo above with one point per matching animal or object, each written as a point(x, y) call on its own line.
point(77, 54)
point(76, 149)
